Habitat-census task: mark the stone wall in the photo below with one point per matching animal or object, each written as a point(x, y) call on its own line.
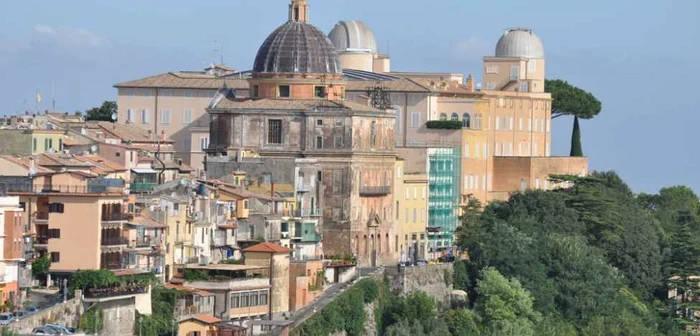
point(65, 313)
point(119, 317)
point(435, 280)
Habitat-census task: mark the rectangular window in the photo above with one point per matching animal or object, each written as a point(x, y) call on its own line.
point(166, 93)
point(263, 298)
point(256, 91)
point(319, 142)
point(254, 299)
point(187, 116)
point(529, 124)
point(514, 73)
point(274, 131)
point(408, 192)
point(423, 192)
point(511, 123)
point(491, 86)
point(55, 233)
point(498, 123)
point(520, 124)
point(56, 207)
point(145, 118)
point(129, 115)
point(415, 215)
point(34, 144)
point(415, 119)
point(165, 117)
point(188, 95)
point(283, 91)
point(524, 87)
point(244, 300)
point(486, 150)
point(55, 257)
point(492, 69)
point(338, 142)
point(203, 143)
point(415, 192)
point(319, 122)
point(531, 66)
point(536, 124)
point(416, 99)
point(320, 91)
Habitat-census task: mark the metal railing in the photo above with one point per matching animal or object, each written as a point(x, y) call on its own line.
point(114, 241)
point(112, 217)
point(41, 240)
point(307, 213)
point(97, 293)
point(375, 191)
point(60, 188)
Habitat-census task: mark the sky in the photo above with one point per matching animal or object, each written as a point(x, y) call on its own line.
point(640, 58)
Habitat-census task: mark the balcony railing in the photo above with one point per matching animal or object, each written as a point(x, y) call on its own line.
point(375, 191)
point(115, 217)
point(115, 241)
point(42, 215)
point(41, 240)
point(142, 187)
point(301, 187)
point(60, 188)
point(99, 293)
point(307, 213)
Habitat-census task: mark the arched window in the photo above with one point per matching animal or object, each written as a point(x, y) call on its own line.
point(466, 120)
point(443, 116)
point(454, 117)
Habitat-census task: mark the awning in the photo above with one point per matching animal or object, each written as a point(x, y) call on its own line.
point(143, 171)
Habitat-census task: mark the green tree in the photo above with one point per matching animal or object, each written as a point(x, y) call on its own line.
point(92, 321)
point(102, 113)
point(504, 303)
point(576, 148)
point(461, 276)
point(41, 266)
point(570, 100)
point(463, 322)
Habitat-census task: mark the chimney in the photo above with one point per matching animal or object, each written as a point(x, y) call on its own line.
point(470, 83)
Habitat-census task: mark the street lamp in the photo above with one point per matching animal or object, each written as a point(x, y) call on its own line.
point(65, 289)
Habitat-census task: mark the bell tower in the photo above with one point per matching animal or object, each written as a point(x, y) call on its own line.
point(299, 11)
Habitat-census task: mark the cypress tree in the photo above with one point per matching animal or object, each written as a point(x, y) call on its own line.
point(576, 149)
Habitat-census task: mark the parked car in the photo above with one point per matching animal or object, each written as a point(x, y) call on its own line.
point(58, 329)
point(421, 263)
point(19, 314)
point(42, 331)
point(6, 318)
point(32, 310)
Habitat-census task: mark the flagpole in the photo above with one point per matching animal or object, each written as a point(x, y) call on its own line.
point(53, 96)
point(37, 102)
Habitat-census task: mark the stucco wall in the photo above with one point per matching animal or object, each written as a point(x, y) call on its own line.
point(16, 142)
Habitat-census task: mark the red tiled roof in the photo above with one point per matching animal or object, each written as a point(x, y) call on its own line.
point(267, 247)
point(207, 319)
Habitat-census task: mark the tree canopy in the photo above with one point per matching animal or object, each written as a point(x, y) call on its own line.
point(570, 100)
point(102, 113)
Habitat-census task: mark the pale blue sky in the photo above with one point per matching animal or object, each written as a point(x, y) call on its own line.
point(639, 57)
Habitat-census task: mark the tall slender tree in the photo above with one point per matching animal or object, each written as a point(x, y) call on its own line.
point(576, 149)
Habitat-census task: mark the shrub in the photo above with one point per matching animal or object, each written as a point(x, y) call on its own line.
point(445, 124)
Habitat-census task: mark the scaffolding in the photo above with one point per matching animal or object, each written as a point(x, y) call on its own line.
point(444, 170)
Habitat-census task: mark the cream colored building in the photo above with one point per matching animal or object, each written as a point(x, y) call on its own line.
point(174, 104)
point(411, 211)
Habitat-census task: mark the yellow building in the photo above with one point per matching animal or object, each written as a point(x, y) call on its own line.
point(198, 325)
point(31, 142)
point(411, 209)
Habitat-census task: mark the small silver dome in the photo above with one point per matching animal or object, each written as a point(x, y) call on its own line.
point(520, 42)
point(353, 36)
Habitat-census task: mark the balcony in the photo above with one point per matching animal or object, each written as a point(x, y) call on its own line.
point(42, 216)
point(142, 187)
point(307, 213)
point(375, 191)
point(41, 240)
point(117, 217)
point(114, 241)
point(101, 293)
point(230, 283)
point(301, 187)
point(60, 188)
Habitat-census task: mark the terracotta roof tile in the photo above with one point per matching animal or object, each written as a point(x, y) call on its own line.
point(188, 289)
point(267, 247)
point(207, 319)
point(186, 80)
point(129, 133)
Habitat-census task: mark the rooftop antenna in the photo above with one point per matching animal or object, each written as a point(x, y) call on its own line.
point(218, 48)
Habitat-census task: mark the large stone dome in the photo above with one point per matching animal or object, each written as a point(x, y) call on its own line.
point(299, 48)
point(353, 36)
point(520, 42)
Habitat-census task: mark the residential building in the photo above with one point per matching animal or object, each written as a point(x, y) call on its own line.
point(277, 259)
point(306, 281)
point(199, 325)
point(31, 141)
point(242, 292)
point(411, 195)
point(96, 238)
point(12, 249)
point(192, 302)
